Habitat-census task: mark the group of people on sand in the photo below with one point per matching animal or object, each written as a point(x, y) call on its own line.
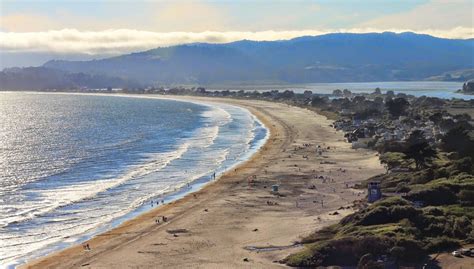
point(163, 219)
point(271, 203)
point(86, 246)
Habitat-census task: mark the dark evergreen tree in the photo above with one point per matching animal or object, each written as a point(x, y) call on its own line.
point(397, 107)
point(419, 150)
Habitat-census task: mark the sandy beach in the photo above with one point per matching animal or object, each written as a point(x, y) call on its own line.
point(234, 221)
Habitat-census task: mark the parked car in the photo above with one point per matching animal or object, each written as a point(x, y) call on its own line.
point(466, 251)
point(456, 253)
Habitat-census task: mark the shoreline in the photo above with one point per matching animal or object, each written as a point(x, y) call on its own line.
point(175, 193)
point(182, 212)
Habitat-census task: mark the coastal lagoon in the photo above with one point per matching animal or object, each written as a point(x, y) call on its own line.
point(73, 165)
point(440, 89)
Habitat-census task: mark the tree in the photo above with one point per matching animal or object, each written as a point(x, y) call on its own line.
point(458, 140)
point(337, 92)
point(318, 101)
point(346, 92)
point(308, 94)
point(397, 107)
point(419, 150)
point(287, 94)
point(358, 99)
point(390, 93)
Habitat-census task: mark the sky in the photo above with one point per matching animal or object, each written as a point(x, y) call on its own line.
point(111, 27)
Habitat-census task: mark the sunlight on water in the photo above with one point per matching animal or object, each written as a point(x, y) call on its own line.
point(71, 164)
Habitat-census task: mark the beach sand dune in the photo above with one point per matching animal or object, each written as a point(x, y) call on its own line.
point(236, 221)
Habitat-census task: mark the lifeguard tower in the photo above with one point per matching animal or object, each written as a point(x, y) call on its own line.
point(374, 192)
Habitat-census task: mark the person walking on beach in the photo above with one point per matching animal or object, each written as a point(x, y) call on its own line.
point(214, 175)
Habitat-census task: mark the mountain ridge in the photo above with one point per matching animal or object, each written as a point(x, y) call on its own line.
point(336, 57)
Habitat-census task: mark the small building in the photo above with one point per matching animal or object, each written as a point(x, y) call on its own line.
point(374, 191)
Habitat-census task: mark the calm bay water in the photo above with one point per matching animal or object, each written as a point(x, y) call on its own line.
point(72, 165)
point(446, 90)
point(440, 89)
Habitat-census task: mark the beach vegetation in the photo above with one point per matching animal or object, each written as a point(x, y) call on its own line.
point(429, 189)
point(428, 186)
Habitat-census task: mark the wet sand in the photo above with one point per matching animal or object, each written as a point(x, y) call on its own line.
point(225, 223)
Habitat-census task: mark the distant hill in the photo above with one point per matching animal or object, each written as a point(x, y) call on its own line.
point(326, 58)
point(42, 78)
point(455, 75)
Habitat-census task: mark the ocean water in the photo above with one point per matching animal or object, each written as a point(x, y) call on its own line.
point(75, 165)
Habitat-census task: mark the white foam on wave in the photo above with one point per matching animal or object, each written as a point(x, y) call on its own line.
point(163, 173)
point(54, 198)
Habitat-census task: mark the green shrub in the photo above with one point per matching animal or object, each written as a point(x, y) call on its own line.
point(402, 187)
point(307, 258)
point(462, 227)
point(466, 197)
point(367, 262)
point(413, 250)
point(434, 211)
point(391, 201)
point(463, 165)
point(441, 244)
point(422, 177)
point(436, 195)
point(324, 234)
point(441, 172)
point(382, 214)
point(435, 229)
point(345, 251)
point(348, 251)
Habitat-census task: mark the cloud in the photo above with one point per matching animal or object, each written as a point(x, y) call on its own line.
point(127, 40)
